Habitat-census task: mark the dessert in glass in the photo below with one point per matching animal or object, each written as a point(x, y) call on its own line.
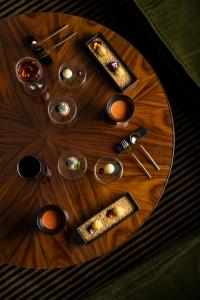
point(62, 111)
point(71, 75)
point(72, 165)
point(108, 170)
point(30, 73)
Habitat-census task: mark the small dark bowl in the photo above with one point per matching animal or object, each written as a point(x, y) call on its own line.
point(45, 230)
point(125, 98)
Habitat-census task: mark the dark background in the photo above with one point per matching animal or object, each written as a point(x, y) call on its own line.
point(178, 213)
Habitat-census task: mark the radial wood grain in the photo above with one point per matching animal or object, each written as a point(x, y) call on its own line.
point(26, 129)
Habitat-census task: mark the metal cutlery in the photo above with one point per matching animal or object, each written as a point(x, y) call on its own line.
point(36, 45)
point(150, 157)
point(127, 145)
point(135, 139)
point(46, 52)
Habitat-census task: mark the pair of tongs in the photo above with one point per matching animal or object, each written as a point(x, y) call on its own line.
point(37, 45)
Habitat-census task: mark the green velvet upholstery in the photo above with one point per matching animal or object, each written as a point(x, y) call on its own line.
point(178, 25)
point(173, 274)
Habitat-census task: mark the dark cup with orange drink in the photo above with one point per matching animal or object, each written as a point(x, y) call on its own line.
point(51, 219)
point(120, 108)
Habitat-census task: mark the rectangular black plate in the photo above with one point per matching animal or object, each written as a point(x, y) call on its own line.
point(135, 209)
point(118, 58)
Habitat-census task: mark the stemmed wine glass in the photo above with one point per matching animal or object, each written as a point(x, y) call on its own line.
point(30, 73)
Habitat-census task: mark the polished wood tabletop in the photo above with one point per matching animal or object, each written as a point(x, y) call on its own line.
point(25, 128)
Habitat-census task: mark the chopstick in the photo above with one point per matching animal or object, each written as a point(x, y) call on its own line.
point(47, 51)
point(141, 165)
point(54, 33)
point(149, 157)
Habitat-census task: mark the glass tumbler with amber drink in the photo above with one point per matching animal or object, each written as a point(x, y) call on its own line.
point(30, 73)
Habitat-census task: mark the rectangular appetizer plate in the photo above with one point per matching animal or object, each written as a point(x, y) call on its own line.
point(123, 78)
point(107, 218)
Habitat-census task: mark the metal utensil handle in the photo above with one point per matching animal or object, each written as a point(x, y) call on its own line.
point(68, 37)
point(141, 165)
point(54, 33)
point(150, 157)
point(47, 51)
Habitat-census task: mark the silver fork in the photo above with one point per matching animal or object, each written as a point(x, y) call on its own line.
point(127, 145)
point(47, 51)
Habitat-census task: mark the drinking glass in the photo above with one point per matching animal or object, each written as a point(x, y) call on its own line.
point(32, 168)
point(30, 73)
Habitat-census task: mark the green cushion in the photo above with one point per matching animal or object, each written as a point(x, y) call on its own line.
point(173, 274)
point(178, 25)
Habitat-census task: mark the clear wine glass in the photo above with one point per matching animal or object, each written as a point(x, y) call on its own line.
point(30, 73)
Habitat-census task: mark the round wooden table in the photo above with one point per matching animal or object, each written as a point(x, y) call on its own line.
point(25, 129)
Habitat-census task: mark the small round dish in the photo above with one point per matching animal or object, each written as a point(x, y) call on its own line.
point(71, 75)
point(72, 165)
point(51, 219)
point(62, 111)
point(120, 108)
point(108, 170)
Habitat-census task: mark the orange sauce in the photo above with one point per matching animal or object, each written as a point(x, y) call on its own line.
point(120, 109)
point(51, 219)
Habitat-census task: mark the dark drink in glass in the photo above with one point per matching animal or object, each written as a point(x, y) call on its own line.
point(30, 73)
point(31, 168)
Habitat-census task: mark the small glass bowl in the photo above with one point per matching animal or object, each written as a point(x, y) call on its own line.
point(58, 115)
point(108, 170)
point(72, 165)
point(76, 75)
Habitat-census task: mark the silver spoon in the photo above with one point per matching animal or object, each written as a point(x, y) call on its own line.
point(36, 45)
